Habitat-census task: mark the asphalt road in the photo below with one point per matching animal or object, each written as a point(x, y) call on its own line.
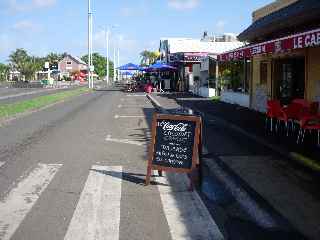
point(76, 171)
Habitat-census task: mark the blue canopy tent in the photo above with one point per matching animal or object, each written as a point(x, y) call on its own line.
point(160, 67)
point(129, 66)
point(127, 74)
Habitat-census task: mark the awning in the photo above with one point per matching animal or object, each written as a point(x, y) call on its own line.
point(280, 45)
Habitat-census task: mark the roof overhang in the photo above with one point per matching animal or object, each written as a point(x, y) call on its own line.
point(280, 45)
point(303, 12)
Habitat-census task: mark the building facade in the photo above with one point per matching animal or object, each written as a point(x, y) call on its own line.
point(186, 54)
point(71, 65)
point(283, 54)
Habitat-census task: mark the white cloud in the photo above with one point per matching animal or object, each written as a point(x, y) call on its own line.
point(43, 3)
point(26, 25)
point(183, 4)
point(27, 5)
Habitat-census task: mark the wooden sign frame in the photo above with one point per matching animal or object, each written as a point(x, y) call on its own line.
point(196, 143)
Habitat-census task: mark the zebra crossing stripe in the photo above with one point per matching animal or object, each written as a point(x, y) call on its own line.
point(19, 201)
point(187, 216)
point(1, 164)
point(97, 215)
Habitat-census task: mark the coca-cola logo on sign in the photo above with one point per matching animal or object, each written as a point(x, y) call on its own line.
point(167, 126)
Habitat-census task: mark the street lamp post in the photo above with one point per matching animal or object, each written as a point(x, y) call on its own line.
point(119, 58)
point(89, 39)
point(108, 56)
point(90, 68)
point(114, 64)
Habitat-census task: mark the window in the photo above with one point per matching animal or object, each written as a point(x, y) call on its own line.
point(263, 73)
point(69, 63)
point(234, 77)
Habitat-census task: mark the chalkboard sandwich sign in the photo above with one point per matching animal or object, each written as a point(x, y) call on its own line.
point(175, 143)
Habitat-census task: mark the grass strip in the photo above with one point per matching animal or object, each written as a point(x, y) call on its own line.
point(215, 98)
point(11, 109)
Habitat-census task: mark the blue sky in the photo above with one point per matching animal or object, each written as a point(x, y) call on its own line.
point(43, 26)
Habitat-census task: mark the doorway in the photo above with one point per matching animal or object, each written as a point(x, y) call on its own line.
point(289, 76)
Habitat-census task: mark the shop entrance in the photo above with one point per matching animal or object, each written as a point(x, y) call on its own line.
point(289, 79)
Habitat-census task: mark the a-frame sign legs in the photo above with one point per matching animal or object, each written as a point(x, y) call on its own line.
point(148, 176)
point(149, 172)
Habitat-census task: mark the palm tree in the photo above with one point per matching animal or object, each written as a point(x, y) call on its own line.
point(25, 64)
point(54, 57)
point(148, 57)
point(4, 69)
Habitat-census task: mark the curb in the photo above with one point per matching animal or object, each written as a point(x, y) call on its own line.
point(156, 104)
point(305, 161)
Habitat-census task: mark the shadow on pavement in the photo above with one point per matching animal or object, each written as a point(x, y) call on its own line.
point(129, 177)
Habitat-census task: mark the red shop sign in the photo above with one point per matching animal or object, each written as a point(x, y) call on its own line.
point(298, 41)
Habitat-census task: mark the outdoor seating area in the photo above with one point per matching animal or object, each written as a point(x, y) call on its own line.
point(297, 118)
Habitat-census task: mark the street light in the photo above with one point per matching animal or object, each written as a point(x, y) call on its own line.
point(120, 39)
point(114, 63)
point(108, 33)
point(90, 65)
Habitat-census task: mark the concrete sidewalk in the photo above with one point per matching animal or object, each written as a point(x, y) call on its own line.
point(280, 187)
point(247, 122)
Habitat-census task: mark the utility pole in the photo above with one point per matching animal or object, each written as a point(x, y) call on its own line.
point(91, 42)
point(90, 79)
point(108, 74)
point(119, 58)
point(114, 64)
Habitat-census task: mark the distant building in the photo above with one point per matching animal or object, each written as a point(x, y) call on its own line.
point(226, 37)
point(71, 64)
point(186, 54)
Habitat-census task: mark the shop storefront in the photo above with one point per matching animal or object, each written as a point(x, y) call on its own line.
point(188, 65)
point(284, 68)
point(283, 54)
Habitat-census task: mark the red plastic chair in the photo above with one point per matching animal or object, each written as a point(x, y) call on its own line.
point(274, 111)
point(292, 114)
point(310, 123)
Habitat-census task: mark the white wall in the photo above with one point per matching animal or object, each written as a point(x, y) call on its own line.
point(205, 92)
point(236, 98)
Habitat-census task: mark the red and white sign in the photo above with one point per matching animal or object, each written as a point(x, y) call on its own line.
point(298, 41)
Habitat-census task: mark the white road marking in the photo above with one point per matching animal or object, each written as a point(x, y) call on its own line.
point(128, 116)
point(97, 215)
point(187, 216)
point(19, 201)
point(136, 95)
point(1, 164)
point(119, 106)
point(126, 141)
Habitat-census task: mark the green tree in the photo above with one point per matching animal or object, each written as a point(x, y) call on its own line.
point(54, 57)
point(100, 64)
point(4, 70)
point(25, 64)
point(148, 57)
